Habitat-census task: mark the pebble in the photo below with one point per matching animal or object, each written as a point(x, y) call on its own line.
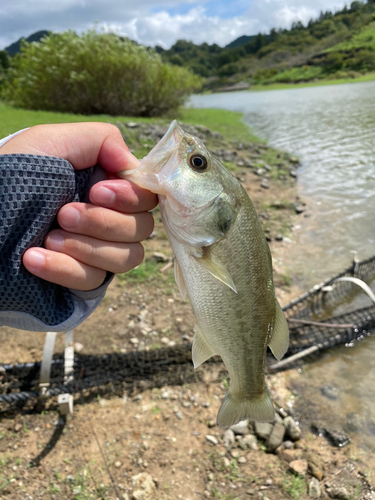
point(316, 466)
point(276, 437)
point(314, 488)
point(144, 487)
point(235, 453)
point(241, 428)
point(226, 462)
point(179, 415)
point(262, 430)
point(118, 464)
point(159, 257)
point(206, 404)
point(228, 438)
point(265, 184)
point(164, 340)
point(299, 467)
point(134, 341)
point(338, 493)
point(78, 347)
point(17, 427)
point(292, 429)
point(241, 460)
point(212, 439)
point(164, 394)
point(248, 441)
point(330, 392)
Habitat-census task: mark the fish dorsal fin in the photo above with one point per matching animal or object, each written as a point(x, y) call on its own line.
point(201, 349)
point(179, 279)
point(280, 336)
point(211, 264)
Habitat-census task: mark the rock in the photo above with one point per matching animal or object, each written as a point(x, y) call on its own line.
point(242, 460)
point(241, 428)
point(260, 172)
point(179, 415)
point(279, 237)
point(228, 439)
point(134, 341)
point(330, 392)
point(293, 173)
point(314, 488)
point(118, 464)
point(289, 455)
point(235, 453)
point(299, 209)
point(276, 437)
point(144, 487)
point(217, 135)
point(248, 441)
point(262, 430)
point(132, 124)
point(212, 439)
point(78, 347)
point(265, 184)
point(159, 257)
point(299, 467)
point(316, 466)
point(292, 429)
point(17, 427)
point(336, 437)
point(226, 462)
point(338, 493)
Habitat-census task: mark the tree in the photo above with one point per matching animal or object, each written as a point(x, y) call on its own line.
point(95, 73)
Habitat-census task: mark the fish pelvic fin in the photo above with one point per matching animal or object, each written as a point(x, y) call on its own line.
point(211, 264)
point(233, 410)
point(279, 341)
point(201, 351)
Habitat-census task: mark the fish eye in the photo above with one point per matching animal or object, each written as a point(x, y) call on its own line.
point(198, 162)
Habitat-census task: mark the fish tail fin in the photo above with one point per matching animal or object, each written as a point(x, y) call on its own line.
point(233, 410)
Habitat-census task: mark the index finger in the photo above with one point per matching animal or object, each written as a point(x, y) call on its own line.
point(82, 144)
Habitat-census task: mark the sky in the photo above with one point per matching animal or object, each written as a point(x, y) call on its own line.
point(157, 22)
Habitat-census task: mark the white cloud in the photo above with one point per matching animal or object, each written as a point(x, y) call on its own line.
point(149, 22)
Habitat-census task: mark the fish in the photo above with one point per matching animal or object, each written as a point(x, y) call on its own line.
point(222, 263)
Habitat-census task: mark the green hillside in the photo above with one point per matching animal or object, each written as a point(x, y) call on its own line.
point(335, 45)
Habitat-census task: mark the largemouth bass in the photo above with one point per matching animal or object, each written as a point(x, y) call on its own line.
point(223, 263)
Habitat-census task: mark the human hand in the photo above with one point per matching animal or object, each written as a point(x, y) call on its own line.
point(93, 239)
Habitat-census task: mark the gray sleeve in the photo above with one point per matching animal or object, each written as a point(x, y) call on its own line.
point(32, 190)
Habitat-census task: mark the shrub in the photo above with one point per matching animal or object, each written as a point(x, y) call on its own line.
point(93, 74)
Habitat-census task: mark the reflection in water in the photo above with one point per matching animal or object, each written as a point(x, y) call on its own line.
point(332, 130)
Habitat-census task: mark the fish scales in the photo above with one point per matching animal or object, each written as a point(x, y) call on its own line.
point(223, 264)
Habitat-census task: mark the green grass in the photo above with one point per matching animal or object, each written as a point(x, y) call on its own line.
point(228, 123)
point(282, 86)
point(365, 38)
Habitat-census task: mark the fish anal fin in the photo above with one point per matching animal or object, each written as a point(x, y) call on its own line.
point(179, 279)
point(233, 410)
point(279, 341)
point(201, 351)
point(211, 264)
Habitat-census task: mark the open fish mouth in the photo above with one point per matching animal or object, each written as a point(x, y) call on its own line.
point(147, 175)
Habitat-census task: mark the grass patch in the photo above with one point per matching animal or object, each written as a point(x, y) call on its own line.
point(295, 486)
point(148, 271)
point(228, 123)
point(283, 86)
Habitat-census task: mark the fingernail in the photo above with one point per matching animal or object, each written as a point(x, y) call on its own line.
point(104, 195)
point(35, 260)
point(69, 217)
point(55, 242)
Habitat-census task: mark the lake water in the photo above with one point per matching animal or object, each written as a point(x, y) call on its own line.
point(332, 130)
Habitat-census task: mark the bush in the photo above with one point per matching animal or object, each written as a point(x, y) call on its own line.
point(96, 73)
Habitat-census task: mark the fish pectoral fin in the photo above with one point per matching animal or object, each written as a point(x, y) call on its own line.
point(179, 279)
point(211, 264)
point(280, 337)
point(201, 351)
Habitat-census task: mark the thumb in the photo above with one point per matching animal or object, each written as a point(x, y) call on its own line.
point(82, 144)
